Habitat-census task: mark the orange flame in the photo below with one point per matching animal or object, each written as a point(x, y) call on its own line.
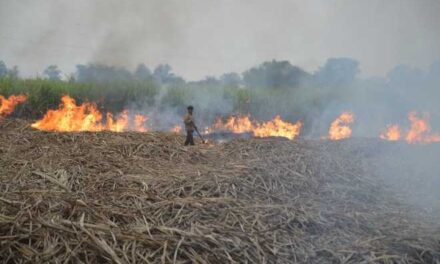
point(235, 124)
point(139, 123)
point(420, 130)
point(7, 106)
point(243, 124)
point(176, 129)
point(339, 128)
point(278, 128)
point(392, 133)
point(70, 117)
point(118, 125)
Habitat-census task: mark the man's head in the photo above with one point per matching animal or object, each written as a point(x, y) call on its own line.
point(190, 109)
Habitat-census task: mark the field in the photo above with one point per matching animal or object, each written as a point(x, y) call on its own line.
point(144, 198)
point(152, 98)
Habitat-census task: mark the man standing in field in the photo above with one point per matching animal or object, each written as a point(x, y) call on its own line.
point(190, 126)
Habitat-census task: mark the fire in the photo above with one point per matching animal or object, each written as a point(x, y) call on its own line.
point(278, 128)
point(117, 125)
point(392, 133)
point(339, 129)
point(7, 106)
point(176, 129)
point(235, 124)
point(139, 123)
point(243, 124)
point(70, 117)
point(420, 130)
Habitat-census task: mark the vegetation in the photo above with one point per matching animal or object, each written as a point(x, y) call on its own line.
point(269, 89)
point(264, 91)
point(44, 94)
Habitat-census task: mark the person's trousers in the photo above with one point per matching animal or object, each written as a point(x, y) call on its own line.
point(189, 138)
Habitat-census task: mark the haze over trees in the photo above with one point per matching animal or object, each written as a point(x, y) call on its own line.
point(337, 72)
point(3, 69)
point(263, 91)
point(275, 74)
point(142, 72)
point(52, 72)
point(8, 72)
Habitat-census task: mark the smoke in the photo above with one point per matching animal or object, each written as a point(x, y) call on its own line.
point(375, 102)
point(170, 105)
point(123, 38)
point(410, 172)
point(201, 38)
point(279, 88)
point(104, 32)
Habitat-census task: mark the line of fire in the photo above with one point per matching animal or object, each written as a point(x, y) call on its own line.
point(71, 117)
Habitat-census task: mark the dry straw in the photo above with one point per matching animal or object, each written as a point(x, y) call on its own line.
point(144, 198)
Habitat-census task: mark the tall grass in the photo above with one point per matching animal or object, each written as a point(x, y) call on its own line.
point(45, 94)
point(210, 100)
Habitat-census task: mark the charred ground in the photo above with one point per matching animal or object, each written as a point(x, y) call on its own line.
point(143, 197)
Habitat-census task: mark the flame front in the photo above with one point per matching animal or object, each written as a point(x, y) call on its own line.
point(139, 123)
point(234, 124)
point(278, 128)
point(420, 131)
point(176, 129)
point(340, 129)
point(8, 105)
point(243, 124)
point(70, 117)
point(392, 133)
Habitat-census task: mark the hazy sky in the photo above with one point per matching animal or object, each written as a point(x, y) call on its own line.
point(210, 37)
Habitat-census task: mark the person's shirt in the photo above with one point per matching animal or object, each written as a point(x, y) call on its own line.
point(189, 122)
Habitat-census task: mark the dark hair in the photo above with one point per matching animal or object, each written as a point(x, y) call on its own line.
point(190, 107)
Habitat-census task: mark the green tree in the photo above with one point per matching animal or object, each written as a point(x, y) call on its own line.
point(52, 72)
point(142, 72)
point(275, 74)
point(3, 69)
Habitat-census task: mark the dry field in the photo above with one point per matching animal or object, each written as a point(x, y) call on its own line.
point(144, 198)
